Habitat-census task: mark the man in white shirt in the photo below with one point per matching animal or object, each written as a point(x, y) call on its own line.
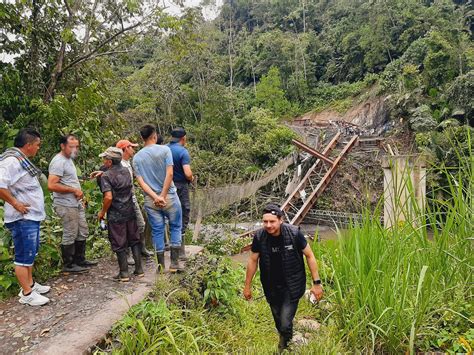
point(128, 149)
point(24, 210)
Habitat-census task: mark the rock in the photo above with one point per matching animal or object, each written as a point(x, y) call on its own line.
point(17, 335)
point(309, 325)
point(70, 280)
point(298, 339)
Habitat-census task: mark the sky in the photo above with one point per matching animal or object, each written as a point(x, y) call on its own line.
point(210, 12)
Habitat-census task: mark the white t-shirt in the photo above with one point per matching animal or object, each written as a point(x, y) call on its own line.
point(25, 188)
point(128, 165)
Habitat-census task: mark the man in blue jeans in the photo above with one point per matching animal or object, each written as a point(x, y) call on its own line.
point(24, 210)
point(153, 166)
point(278, 249)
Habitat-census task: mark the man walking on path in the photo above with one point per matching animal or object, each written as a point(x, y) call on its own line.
point(128, 149)
point(182, 177)
point(69, 206)
point(117, 186)
point(24, 210)
point(278, 249)
point(154, 170)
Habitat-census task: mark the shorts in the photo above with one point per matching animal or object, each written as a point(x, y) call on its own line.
point(26, 240)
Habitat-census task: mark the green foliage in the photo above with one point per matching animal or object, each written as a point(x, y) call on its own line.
point(270, 94)
point(401, 289)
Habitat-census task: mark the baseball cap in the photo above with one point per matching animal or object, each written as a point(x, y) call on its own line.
point(178, 132)
point(112, 153)
point(273, 209)
point(124, 143)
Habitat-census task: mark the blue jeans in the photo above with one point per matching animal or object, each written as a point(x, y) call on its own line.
point(26, 239)
point(283, 311)
point(156, 218)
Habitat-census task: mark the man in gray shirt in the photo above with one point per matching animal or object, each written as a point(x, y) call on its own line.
point(68, 204)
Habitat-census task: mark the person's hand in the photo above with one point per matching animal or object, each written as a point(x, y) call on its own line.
point(247, 293)
point(317, 291)
point(95, 174)
point(78, 194)
point(159, 201)
point(23, 208)
point(101, 215)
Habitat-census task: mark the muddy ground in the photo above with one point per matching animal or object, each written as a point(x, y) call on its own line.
point(73, 297)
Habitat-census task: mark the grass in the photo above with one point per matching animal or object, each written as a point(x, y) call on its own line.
point(396, 290)
point(399, 290)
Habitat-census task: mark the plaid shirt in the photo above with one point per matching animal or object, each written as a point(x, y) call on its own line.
point(24, 161)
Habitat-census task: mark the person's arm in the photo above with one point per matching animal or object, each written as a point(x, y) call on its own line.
point(251, 270)
point(6, 196)
point(186, 163)
point(316, 290)
point(157, 200)
point(168, 181)
point(106, 203)
point(55, 185)
point(188, 172)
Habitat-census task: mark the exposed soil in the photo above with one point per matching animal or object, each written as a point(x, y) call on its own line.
point(83, 307)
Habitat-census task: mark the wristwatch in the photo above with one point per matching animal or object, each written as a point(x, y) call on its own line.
point(317, 282)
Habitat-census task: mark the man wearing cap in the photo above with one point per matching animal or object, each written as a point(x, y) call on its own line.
point(69, 205)
point(182, 177)
point(128, 149)
point(278, 250)
point(116, 185)
point(153, 167)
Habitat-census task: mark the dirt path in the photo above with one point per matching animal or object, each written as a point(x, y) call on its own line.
point(82, 310)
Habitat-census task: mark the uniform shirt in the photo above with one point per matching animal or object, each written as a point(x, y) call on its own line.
point(150, 163)
point(276, 264)
point(25, 188)
point(118, 181)
point(180, 157)
point(65, 169)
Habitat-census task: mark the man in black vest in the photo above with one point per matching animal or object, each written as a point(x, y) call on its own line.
point(278, 248)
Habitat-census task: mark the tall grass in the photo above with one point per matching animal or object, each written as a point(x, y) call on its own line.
point(395, 290)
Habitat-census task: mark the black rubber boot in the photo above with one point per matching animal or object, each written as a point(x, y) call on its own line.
point(175, 266)
point(68, 260)
point(283, 343)
point(136, 251)
point(182, 250)
point(145, 252)
point(80, 254)
point(160, 256)
point(123, 275)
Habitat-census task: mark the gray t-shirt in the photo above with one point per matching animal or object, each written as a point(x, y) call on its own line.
point(65, 169)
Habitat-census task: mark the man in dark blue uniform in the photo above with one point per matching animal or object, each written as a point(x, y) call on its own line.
point(182, 177)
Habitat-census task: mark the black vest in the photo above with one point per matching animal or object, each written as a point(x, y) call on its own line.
point(292, 258)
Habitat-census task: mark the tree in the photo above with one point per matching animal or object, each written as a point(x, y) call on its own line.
point(270, 94)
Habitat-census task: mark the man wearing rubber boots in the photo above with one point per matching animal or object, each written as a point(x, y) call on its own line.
point(182, 177)
point(128, 149)
point(69, 205)
point(116, 185)
point(153, 167)
point(278, 250)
